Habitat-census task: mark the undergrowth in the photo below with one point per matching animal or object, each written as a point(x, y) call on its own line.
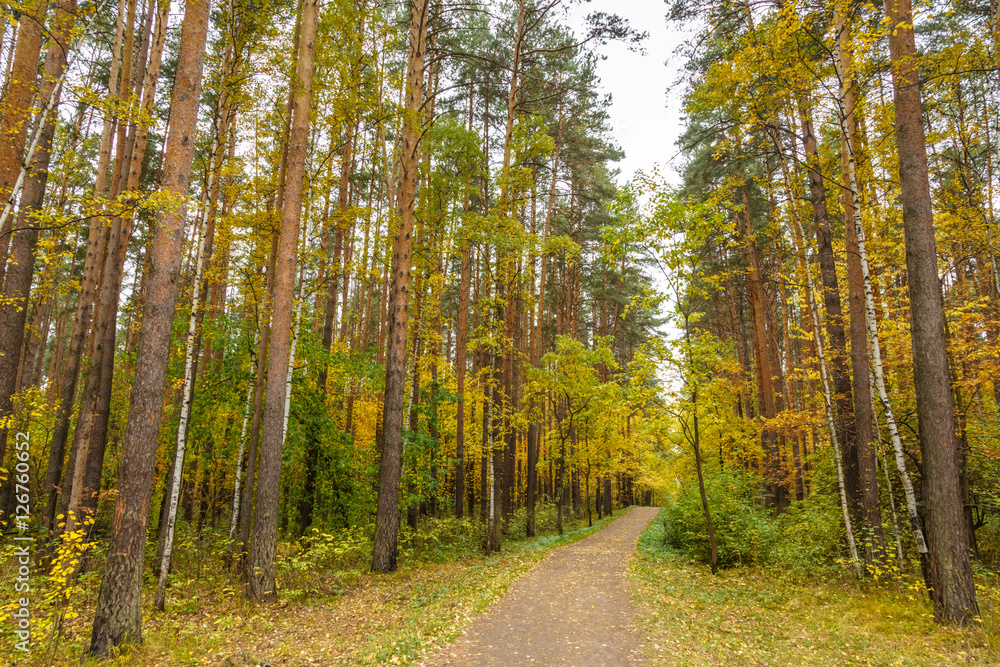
point(331, 609)
point(771, 615)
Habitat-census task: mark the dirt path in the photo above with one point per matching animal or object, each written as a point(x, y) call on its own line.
point(573, 608)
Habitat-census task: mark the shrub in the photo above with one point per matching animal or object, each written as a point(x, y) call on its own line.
point(744, 533)
point(444, 539)
point(805, 538)
point(811, 536)
point(323, 561)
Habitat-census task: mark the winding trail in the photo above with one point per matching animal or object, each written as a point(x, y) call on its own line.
point(573, 608)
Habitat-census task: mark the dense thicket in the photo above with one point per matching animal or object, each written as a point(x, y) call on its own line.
point(837, 287)
point(272, 267)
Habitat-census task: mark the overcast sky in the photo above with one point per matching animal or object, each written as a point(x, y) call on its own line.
point(646, 122)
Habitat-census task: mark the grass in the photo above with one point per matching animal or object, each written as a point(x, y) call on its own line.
point(748, 616)
point(331, 610)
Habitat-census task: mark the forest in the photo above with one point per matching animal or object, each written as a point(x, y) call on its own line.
point(326, 327)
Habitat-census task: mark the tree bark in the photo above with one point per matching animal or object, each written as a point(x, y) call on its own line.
point(836, 363)
point(828, 402)
point(89, 443)
point(119, 613)
point(239, 548)
point(17, 286)
point(20, 90)
point(953, 591)
point(263, 548)
point(763, 358)
point(713, 559)
point(180, 447)
point(873, 539)
point(461, 347)
point(387, 513)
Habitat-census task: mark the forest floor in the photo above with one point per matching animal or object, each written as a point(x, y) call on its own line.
point(572, 608)
point(326, 616)
point(750, 616)
point(569, 605)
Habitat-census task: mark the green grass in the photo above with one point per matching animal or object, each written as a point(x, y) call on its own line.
point(749, 616)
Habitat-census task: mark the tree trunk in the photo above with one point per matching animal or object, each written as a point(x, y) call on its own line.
point(492, 419)
point(460, 364)
point(119, 612)
point(841, 379)
point(36, 333)
point(263, 549)
point(387, 513)
point(953, 591)
point(89, 443)
point(713, 559)
point(831, 424)
point(17, 286)
point(182, 423)
point(763, 363)
point(247, 495)
point(17, 109)
point(873, 540)
point(239, 456)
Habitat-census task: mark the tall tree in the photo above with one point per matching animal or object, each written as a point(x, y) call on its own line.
point(21, 87)
point(119, 612)
point(874, 541)
point(953, 591)
point(385, 547)
point(17, 285)
point(263, 550)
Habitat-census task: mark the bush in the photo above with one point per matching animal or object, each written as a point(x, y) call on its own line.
point(545, 520)
point(744, 533)
point(812, 536)
point(444, 539)
point(806, 537)
point(323, 562)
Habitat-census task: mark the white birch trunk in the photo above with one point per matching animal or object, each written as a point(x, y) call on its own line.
point(829, 416)
point(291, 363)
point(885, 469)
point(291, 368)
point(489, 526)
point(827, 401)
point(873, 337)
point(189, 354)
point(295, 331)
point(243, 443)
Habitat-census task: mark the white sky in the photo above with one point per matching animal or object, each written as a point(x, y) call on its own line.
point(645, 121)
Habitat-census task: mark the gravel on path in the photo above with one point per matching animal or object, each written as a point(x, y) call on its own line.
point(573, 608)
